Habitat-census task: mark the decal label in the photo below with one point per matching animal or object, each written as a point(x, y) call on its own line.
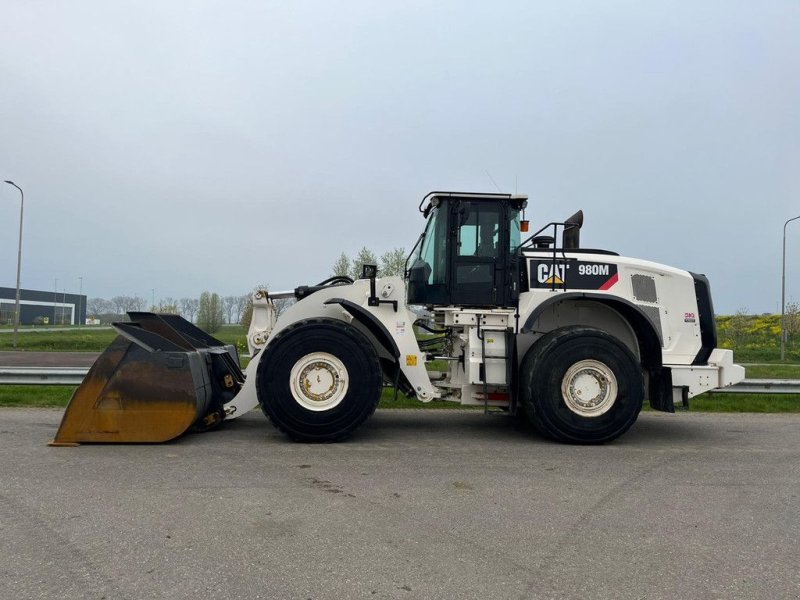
point(689, 317)
point(573, 274)
point(411, 360)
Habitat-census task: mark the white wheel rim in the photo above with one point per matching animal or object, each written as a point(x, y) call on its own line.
point(589, 388)
point(319, 381)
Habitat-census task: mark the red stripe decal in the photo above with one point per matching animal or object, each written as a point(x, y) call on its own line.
point(607, 285)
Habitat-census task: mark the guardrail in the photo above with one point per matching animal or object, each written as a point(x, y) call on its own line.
point(74, 376)
point(42, 375)
point(763, 386)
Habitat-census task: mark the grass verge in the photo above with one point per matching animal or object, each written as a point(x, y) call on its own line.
point(35, 395)
point(745, 403)
point(790, 371)
point(68, 340)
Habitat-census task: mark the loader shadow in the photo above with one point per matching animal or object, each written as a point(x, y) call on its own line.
point(388, 426)
point(398, 424)
point(649, 430)
point(394, 425)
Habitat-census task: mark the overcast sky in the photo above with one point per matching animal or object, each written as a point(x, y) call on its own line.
point(184, 146)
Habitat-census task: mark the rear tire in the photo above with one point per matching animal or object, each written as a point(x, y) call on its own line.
point(319, 380)
point(582, 386)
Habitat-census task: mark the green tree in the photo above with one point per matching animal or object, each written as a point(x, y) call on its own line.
point(209, 312)
point(341, 267)
point(364, 257)
point(393, 262)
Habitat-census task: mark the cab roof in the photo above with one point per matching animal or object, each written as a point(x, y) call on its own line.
point(431, 196)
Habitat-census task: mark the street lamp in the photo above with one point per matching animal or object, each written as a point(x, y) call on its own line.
point(19, 258)
point(783, 291)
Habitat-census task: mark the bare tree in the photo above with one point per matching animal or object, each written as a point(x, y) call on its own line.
point(124, 304)
point(118, 304)
point(241, 304)
point(738, 326)
point(189, 308)
point(281, 304)
point(137, 303)
point(167, 306)
point(229, 307)
point(99, 306)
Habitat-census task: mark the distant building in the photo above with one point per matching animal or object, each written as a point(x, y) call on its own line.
point(37, 307)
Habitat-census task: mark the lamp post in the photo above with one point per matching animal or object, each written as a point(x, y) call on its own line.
point(55, 302)
point(783, 291)
point(19, 258)
point(80, 299)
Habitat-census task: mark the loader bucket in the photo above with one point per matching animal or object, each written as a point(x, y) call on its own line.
point(160, 377)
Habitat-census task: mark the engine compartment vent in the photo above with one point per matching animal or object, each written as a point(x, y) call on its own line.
point(644, 288)
point(654, 314)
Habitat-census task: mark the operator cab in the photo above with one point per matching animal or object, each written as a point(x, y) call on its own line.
point(467, 253)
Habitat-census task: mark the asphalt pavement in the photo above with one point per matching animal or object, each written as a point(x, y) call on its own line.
point(419, 504)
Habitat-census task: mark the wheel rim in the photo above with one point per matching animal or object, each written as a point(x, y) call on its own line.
point(589, 388)
point(319, 381)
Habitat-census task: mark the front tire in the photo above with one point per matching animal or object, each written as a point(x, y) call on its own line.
point(319, 380)
point(581, 385)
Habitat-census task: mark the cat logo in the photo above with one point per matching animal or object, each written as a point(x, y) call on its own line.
point(573, 274)
point(551, 274)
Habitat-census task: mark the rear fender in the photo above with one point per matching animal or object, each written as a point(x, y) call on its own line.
point(648, 340)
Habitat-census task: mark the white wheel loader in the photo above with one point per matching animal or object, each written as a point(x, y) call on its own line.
point(573, 339)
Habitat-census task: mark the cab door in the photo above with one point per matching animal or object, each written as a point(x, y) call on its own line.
point(479, 253)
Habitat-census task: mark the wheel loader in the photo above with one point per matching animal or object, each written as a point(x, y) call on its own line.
point(571, 339)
